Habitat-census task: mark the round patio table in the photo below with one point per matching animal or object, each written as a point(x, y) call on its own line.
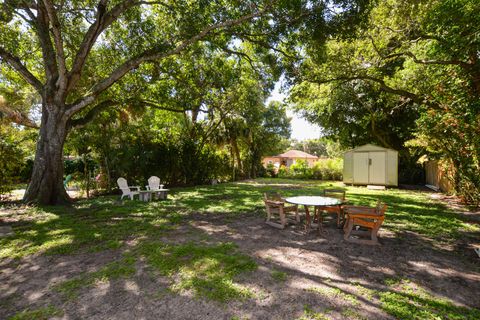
point(317, 202)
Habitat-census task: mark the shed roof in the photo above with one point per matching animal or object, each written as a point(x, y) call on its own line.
point(369, 147)
point(296, 154)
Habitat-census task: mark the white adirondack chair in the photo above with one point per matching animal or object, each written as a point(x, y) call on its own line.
point(154, 184)
point(127, 190)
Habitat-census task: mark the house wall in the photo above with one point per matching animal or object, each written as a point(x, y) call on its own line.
point(274, 160)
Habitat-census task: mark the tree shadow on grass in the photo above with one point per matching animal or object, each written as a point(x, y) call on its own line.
point(412, 251)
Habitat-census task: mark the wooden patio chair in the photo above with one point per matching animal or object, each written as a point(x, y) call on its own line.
point(366, 217)
point(338, 194)
point(275, 204)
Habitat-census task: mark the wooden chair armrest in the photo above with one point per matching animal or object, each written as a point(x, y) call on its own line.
point(277, 203)
point(373, 215)
point(358, 208)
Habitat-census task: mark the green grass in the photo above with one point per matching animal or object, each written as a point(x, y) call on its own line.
point(208, 271)
point(400, 298)
point(37, 314)
point(336, 293)
point(211, 270)
point(103, 223)
point(310, 314)
point(279, 275)
point(405, 300)
point(114, 270)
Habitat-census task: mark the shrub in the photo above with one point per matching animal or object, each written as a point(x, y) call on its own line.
point(283, 172)
point(328, 169)
point(271, 170)
point(301, 170)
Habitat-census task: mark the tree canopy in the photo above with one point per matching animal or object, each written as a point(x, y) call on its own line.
point(83, 57)
point(410, 77)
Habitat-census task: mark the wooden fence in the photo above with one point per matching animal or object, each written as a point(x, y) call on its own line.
point(439, 175)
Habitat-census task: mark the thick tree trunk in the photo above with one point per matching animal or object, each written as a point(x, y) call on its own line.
point(46, 184)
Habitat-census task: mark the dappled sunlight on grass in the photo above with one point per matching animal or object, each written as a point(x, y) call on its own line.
point(184, 246)
point(406, 300)
point(104, 223)
point(208, 271)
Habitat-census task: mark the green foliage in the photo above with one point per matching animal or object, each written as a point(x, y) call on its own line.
point(310, 314)
point(300, 169)
point(271, 170)
point(323, 169)
point(336, 292)
point(283, 172)
point(410, 75)
point(13, 156)
point(317, 147)
point(328, 169)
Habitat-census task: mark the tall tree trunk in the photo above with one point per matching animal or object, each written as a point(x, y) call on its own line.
point(46, 184)
point(236, 153)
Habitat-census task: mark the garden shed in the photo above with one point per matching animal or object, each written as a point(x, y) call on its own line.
point(371, 165)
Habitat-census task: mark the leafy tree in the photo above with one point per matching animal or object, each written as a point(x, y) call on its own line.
point(77, 54)
point(316, 147)
point(419, 59)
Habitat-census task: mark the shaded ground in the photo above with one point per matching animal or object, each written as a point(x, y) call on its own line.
point(105, 261)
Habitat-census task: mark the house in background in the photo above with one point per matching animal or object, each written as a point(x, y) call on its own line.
point(288, 158)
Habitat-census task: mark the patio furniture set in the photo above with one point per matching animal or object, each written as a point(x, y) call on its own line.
point(355, 220)
point(153, 190)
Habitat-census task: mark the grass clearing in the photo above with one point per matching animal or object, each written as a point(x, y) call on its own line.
point(208, 271)
point(103, 223)
point(179, 240)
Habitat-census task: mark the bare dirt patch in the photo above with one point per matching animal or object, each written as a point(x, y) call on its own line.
point(297, 273)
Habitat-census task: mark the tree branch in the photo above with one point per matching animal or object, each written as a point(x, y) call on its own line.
point(16, 64)
point(241, 55)
point(57, 38)
point(81, 122)
point(152, 55)
point(103, 20)
point(409, 54)
point(16, 116)
point(48, 52)
point(384, 87)
point(152, 104)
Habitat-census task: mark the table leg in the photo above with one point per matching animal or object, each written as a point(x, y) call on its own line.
point(320, 220)
point(307, 220)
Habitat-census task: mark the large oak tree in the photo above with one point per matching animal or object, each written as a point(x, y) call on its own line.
point(74, 52)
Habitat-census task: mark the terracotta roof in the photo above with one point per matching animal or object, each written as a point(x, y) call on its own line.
point(296, 154)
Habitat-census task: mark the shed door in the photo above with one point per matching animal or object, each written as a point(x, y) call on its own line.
point(360, 167)
point(377, 168)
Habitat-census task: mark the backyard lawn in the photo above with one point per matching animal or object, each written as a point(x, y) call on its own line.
point(206, 253)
